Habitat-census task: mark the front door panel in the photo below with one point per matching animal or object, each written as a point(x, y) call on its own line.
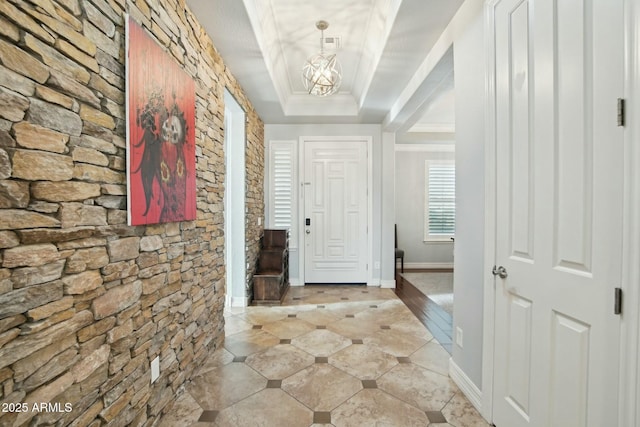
point(335, 193)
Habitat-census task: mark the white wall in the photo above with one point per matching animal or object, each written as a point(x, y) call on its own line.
point(469, 57)
point(382, 195)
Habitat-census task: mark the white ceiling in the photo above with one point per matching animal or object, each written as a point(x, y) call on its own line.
point(384, 44)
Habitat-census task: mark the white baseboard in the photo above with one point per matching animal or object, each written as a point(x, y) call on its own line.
point(389, 284)
point(239, 302)
point(470, 390)
point(373, 281)
point(385, 283)
point(426, 265)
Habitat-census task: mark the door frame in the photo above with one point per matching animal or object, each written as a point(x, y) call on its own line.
point(630, 333)
point(368, 140)
point(490, 229)
point(629, 375)
point(235, 226)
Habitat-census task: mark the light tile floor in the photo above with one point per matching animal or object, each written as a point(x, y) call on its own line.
point(329, 356)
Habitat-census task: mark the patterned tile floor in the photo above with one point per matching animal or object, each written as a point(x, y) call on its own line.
point(329, 356)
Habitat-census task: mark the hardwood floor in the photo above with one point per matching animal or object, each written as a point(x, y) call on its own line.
point(438, 321)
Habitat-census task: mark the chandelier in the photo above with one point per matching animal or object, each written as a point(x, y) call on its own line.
point(322, 74)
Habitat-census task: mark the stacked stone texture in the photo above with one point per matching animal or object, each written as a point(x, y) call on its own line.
point(86, 302)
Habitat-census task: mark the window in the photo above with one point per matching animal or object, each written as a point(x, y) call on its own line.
point(282, 189)
point(440, 200)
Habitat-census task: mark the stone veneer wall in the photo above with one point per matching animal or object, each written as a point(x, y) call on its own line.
point(86, 302)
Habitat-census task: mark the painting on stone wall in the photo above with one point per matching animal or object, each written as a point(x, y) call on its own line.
point(161, 165)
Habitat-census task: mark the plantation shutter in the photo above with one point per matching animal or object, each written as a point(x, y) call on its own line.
point(282, 188)
point(440, 212)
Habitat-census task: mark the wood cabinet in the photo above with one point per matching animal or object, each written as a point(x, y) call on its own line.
point(271, 280)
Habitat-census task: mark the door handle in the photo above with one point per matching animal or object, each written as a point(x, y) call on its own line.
point(308, 231)
point(500, 271)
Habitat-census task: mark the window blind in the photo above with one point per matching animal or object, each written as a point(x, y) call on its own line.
point(440, 212)
point(282, 187)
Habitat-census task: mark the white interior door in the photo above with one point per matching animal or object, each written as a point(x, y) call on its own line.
point(335, 193)
point(559, 72)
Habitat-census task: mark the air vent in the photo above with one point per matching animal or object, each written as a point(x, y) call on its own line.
point(333, 42)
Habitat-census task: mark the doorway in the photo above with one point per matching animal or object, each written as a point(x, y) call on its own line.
point(234, 202)
point(425, 222)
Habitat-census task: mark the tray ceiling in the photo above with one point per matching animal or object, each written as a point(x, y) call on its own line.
point(383, 44)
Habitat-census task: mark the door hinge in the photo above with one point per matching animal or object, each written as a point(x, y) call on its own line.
point(621, 112)
point(617, 306)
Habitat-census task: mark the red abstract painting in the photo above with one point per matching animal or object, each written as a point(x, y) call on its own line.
point(161, 159)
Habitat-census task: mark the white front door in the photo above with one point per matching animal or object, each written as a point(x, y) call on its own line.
point(335, 201)
point(559, 171)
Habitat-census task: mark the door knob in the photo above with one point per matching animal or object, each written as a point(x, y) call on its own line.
point(500, 271)
point(308, 231)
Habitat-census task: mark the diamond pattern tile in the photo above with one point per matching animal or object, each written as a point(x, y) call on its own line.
point(225, 386)
point(318, 316)
point(270, 408)
point(394, 342)
point(412, 327)
point(288, 328)
point(461, 412)
point(310, 386)
point(185, 410)
point(263, 315)
point(362, 361)
point(287, 372)
point(215, 360)
point(251, 341)
point(280, 361)
point(321, 342)
point(433, 357)
point(352, 328)
point(235, 324)
point(374, 404)
point(420, 387)
point(343, 308)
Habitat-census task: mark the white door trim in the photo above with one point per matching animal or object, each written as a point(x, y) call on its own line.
point(368, 140)
point(490, 214)
point(235, 201)
point(630, 334)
